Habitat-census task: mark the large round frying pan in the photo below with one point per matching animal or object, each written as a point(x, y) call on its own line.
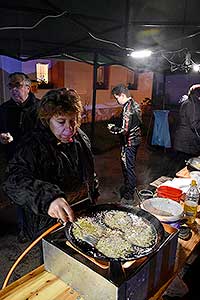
point(137, 253)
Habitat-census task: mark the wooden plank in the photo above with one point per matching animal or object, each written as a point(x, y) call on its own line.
point(39, 285)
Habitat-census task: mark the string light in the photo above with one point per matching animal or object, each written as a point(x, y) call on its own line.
point(196, 68)
point(185, 63)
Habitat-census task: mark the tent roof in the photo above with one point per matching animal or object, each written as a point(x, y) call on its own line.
point(77, 29)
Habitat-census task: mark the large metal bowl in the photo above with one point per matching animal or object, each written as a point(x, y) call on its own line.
point(166, 210)
point(193, 164)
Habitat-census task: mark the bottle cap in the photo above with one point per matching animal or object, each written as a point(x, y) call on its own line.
point(193, 183)
point(185, 232)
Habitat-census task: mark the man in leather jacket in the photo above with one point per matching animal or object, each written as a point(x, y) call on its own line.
point(53, 168)
point(129, 131)
point(18, 117)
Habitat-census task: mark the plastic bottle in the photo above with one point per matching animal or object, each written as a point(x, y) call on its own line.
point(191, 202)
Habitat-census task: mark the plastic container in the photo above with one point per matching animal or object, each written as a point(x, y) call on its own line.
point(191, 202)
point(169, 192)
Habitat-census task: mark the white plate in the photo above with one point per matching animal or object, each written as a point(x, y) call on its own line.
point(166, 210)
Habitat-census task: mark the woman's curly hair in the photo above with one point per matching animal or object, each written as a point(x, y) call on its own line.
point(59, 102)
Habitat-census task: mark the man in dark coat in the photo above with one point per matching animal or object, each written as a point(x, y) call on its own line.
point(187, 135)
point(18, 117)
point(53, 169)
point(19, 114)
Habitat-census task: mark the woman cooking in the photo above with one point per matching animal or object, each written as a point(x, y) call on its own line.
point(53, 167)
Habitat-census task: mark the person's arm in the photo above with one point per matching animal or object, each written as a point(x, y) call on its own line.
point(24, 187)
point(193, 114)
point(135, 121)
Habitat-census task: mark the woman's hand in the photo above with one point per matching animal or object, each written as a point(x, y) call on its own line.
point(60, 209)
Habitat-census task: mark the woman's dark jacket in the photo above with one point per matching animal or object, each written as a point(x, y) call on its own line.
point(187, 135)
point(43, 170)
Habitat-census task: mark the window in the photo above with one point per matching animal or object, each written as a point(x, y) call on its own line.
point(102, 77)
point(132, 80)
point(42, 73)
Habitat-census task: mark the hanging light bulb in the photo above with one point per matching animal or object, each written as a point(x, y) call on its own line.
point(196, 68)
point(188, 59)
point(141, 53)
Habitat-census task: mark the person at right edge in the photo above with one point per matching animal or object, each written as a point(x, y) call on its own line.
point(129, 131)
point(187, 134)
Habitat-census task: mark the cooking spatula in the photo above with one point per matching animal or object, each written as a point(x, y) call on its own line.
point(88, 238)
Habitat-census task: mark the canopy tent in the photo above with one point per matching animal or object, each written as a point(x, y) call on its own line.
point(79, 29)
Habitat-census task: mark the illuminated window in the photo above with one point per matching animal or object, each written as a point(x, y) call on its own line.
point(102, 77)
point(42, 73)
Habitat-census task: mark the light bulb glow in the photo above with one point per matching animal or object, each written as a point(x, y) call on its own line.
point(141, 53)
point(196, 67)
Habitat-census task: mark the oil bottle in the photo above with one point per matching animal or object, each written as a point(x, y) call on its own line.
point(191, 202)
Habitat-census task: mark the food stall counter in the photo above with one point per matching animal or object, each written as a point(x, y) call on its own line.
point(40, 284)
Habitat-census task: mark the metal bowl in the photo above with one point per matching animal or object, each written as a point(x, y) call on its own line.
point(193, 164)
point(165, 209)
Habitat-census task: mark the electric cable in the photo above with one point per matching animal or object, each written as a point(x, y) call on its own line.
point(35, 25)
point(27, 250)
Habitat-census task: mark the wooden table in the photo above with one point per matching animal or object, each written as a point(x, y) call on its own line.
point(102, 112)
point(185, 250)
point(41, 285)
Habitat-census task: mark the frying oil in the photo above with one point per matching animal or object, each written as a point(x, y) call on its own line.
point(190, 210)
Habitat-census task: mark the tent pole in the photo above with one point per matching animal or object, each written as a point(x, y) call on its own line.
point(163, 92)
point(95, 66)
point(127, 19)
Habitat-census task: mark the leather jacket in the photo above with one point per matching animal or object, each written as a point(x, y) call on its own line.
point(129, 128)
